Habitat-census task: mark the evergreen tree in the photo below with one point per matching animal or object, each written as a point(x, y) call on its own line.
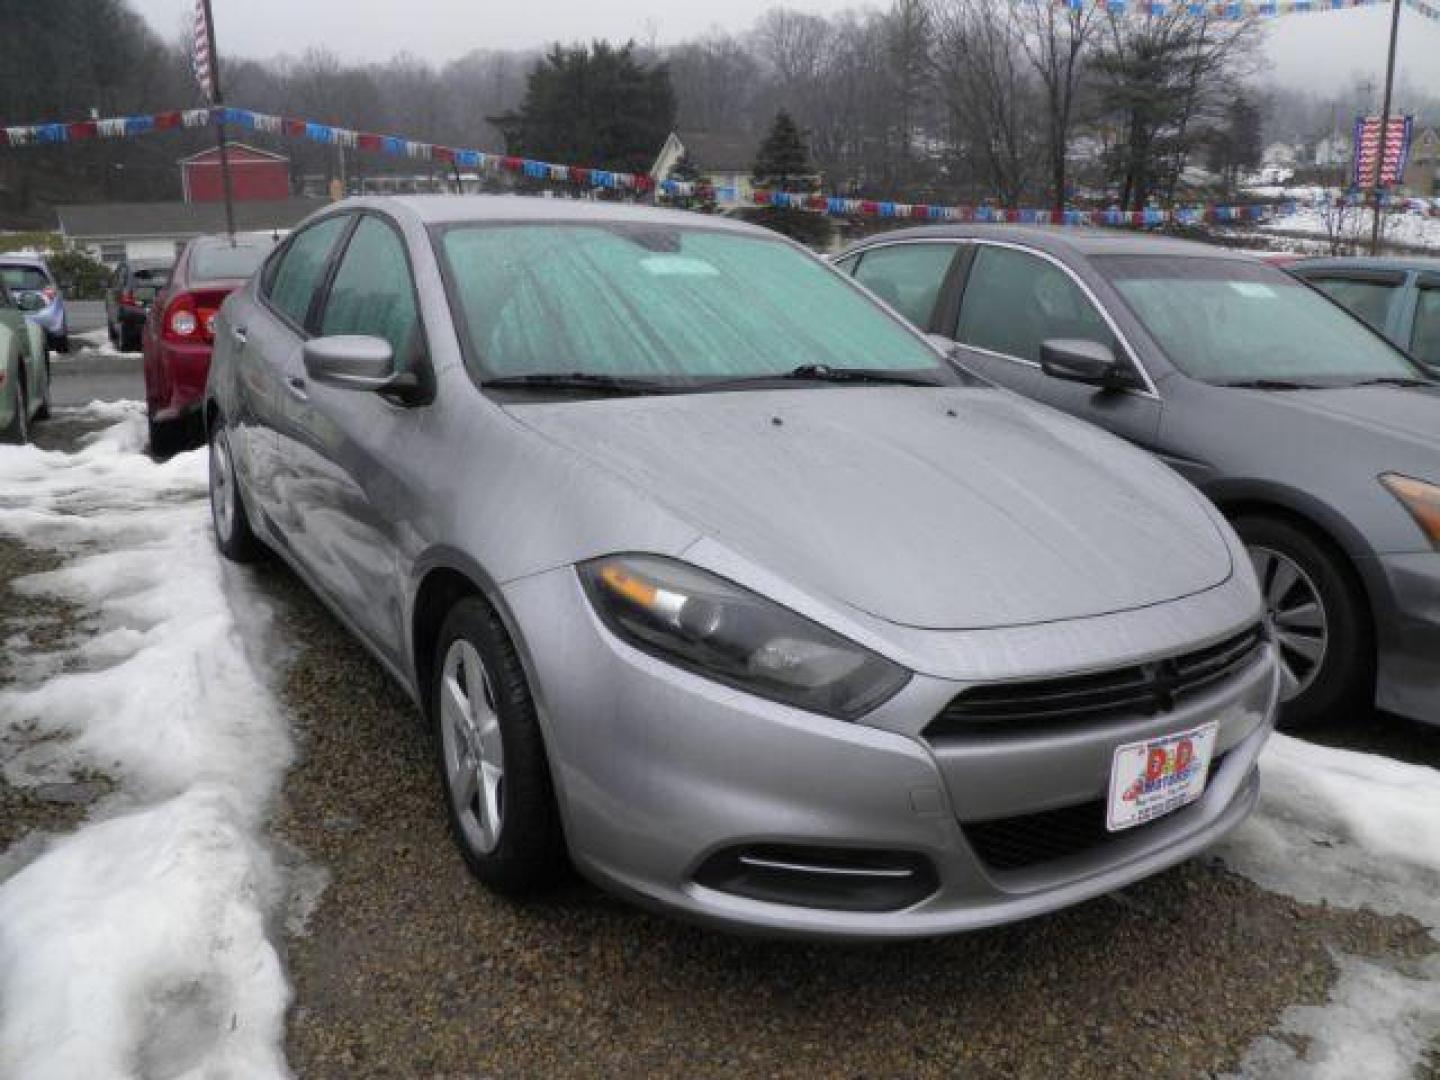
point(783, 164)
point(686, 172)
point(597, 106)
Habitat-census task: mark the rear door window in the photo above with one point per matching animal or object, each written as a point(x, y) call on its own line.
point(302, 266)
point(908, 277)
point(1369, 298)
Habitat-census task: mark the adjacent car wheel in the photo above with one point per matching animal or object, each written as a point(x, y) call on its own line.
point(43, 413)
point(227, 506)
point(129, 338)
point(1319, 620)
point(166, 439)
point(18, 430)
point(492, 756)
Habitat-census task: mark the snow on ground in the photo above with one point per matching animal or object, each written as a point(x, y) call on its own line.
point(1401, 228)
point(1352, 830)
point(98, 341)
point(137, 945)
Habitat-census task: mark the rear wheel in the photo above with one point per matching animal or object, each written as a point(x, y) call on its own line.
point(227, 507)
point(1318, 617)
point(166, 438)
point(491, 755)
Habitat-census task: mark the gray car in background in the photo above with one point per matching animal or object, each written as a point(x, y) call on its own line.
point(1399, 296)
point(715, 576)
point(1318, 439)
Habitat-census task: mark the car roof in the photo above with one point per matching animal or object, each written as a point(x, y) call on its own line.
point(1063, 240)
point(1401, 263)
point(462, 209)
point(20, 259)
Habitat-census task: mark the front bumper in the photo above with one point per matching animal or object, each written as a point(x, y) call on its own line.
point(1408, 675)
point(659, 771)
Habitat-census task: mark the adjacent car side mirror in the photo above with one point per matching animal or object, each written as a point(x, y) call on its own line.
point(356, 362)
point(1089, 362)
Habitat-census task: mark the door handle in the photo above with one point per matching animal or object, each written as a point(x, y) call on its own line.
point(240, 334)
point(296, 386)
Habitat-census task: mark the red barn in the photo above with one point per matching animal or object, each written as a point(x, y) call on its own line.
point(257, 175)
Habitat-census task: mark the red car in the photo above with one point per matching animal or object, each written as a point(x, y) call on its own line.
point(178, 334)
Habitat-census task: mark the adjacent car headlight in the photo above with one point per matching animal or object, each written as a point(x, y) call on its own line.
point(711, 626)
point(1421, 499)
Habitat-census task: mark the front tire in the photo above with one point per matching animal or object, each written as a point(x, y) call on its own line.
point(129, 339)
point(1318, 616)
point(493, 765)
point(227, 507)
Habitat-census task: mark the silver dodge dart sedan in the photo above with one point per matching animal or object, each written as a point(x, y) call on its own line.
point(717, 580)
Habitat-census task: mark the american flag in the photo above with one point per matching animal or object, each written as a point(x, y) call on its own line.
point(200, 59)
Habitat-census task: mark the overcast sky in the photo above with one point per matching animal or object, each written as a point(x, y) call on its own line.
point(1306, 50)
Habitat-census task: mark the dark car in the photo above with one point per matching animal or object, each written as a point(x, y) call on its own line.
point(132, 289)
point(1316, 436)
point(180, 333)
point(1399, 297)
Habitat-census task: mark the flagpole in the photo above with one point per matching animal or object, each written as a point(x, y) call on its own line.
point(218, 100)
point(1380, 150)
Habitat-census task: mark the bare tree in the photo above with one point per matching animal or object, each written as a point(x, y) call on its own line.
point(1055, 41)
point(990, 93)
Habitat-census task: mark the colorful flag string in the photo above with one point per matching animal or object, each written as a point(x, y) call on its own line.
point(1236, 10)
point(636, 183)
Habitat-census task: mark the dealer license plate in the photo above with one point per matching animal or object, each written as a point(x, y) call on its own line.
point(1150, 779)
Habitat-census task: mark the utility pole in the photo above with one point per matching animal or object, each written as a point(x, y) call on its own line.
point(218, 100)
point(1384, 125)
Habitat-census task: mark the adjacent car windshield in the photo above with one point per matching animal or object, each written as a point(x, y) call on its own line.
point(219, 262)
point(23, 278)
point(676, 305)
point(1228, 321)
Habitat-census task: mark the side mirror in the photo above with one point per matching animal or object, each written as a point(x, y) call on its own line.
point(355, 362)
point(29, 301)
point(1089, 362)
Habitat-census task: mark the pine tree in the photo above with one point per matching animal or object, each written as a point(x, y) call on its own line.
point(686, 172)
point(598, 107)
point(783, 164)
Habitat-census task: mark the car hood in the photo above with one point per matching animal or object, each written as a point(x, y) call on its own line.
point(1408, 412)
point(943, 509)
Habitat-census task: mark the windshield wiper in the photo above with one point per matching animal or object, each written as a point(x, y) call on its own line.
point(824, 373)
point(1269, 384)
point(1394, 380)
point(585, 381)
point(878, 376)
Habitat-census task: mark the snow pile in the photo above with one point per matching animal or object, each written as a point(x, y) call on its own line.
point(137, 945)
point(1415, 230)
point(1353, 830)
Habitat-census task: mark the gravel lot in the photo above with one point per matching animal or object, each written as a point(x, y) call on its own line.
point(409, 968)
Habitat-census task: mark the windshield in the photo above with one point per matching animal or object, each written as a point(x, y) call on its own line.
point(24, 278)
point(1226, 321)
point(665, 303)
point(219, 262)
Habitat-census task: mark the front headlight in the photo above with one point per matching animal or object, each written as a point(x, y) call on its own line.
point(1421, 499)
point(714, 628)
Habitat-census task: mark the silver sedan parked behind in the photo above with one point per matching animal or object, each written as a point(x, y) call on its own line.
point(714, 576)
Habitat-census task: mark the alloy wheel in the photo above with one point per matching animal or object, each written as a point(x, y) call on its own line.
point(1296, 615)
point(474, 751)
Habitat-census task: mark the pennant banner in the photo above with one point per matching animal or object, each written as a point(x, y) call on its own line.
point(1235, 10)
point(639, 183)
